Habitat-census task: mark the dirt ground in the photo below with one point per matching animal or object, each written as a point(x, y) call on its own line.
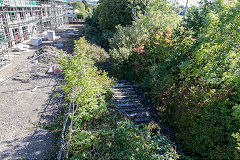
point(27, 98)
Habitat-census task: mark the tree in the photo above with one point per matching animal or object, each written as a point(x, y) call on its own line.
point(85, 3)
point(115, 12)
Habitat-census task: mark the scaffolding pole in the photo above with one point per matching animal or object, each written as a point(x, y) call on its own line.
point(21, 20)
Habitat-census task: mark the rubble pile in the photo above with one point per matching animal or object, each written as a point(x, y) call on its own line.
point(47, 54)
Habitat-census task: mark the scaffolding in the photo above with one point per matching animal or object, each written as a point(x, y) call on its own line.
point(21, 20)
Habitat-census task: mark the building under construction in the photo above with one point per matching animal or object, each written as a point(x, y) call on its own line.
point(21, 20)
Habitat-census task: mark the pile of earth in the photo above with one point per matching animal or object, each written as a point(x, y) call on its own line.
point(47, 54)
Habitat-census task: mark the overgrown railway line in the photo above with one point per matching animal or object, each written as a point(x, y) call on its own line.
point(126, 100)
point(135, 105)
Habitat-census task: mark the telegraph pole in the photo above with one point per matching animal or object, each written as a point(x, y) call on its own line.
point(186, 10)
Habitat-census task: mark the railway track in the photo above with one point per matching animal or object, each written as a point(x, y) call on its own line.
point(127, 101)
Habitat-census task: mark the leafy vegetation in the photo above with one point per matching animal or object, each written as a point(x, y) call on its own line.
point(98, 130)
point(88, 85)
point(83, 9)
point(128, 45)
point(100, 26)
point(190, 69)
point(97, 54)
point(112, 13)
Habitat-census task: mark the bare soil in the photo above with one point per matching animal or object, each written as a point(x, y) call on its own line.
point(27, 101)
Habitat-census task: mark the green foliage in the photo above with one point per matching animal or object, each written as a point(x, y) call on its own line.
point(84, 83)
point(191, 72)
point(100, 132)
point(126, 141)
point(83, 9)
point(110, 14)
point(113, 13)
point(94, 35)
point(122, 45)
point(97, 54)
point(195, 21)
point(129, 44)
point(85, 4)
point(81, 15)
point(159, 15)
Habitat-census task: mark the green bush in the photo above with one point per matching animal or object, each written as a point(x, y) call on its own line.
point(191, 73)
point(121, 45)
point(110, 14)
point(84, 9)
point(214, 125)
point(117, 12)
point(97, 54)
point(81, 15)
point(125, 141)
point(129, 44)
point(98, 131)
point(84, 82)
point(195, 85)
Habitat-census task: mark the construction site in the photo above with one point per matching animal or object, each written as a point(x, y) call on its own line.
point(32, 35)
point(22, 20)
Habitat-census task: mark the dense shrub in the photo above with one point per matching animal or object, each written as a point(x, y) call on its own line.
point(110, 14)
point(81, 15)
point(83, 9)
point(215, 95)
point(84, 83)
point(125, 141)
point(191, 72)
point(122, 45)
point(98, 130)
point(118, 12)
point(129, 44)
point(97, 54)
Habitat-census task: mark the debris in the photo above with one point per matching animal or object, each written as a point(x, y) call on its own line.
point(58, 44)
point(54, 68)
point(47, 54)
point(16, 49)
point(35, 88)
point(57, 37)
point(16, 54)
point(21, 47)
point(36, 41)
point(75, 30)
point(50, 69)
point(72, 34)
point(5, 66)
point(57, 71)
point(64, 35)
point(21, 80)
point(44, 38)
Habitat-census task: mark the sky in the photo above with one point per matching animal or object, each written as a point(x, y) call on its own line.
point(190, 2)
point(92, 0)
